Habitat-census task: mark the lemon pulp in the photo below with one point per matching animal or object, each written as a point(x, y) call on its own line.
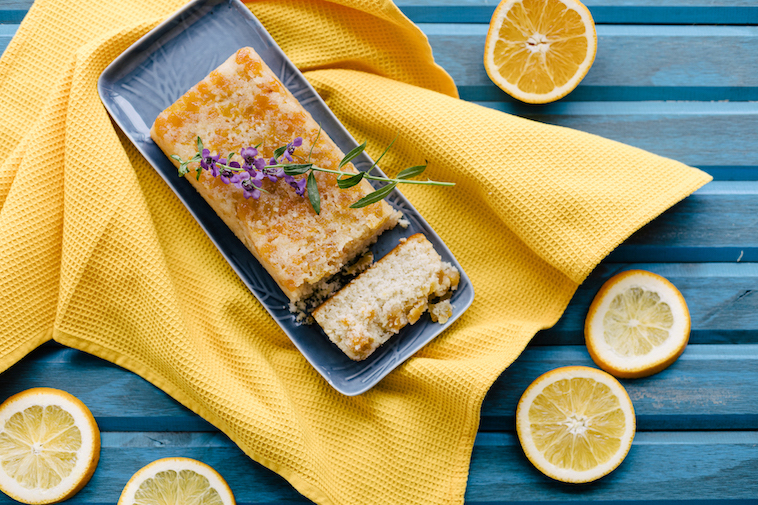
point(541, 45)
point(636, 322)
point(184, 487)
point(39, 446)
point(577, 423)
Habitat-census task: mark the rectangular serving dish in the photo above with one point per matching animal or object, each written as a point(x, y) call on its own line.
point(158, 69)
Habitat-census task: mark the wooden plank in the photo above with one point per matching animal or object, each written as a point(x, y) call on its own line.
point(715, 224)
point(664, 467)
point(722, 12)
point(13, 11)
point(120, 400)
point(659, 63)
point(721, 297)
point(709, 387)
point(715, 136)
point(659, 468)
point(700, 134)
point(6, 34)
point(123, 454)
point(480, 11)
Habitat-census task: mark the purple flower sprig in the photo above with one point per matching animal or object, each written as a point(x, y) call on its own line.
point(249, 174)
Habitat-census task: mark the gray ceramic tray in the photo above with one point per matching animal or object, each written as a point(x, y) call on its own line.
point(159, 68)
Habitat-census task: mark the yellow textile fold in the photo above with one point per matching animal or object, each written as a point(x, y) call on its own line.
point(97, 252)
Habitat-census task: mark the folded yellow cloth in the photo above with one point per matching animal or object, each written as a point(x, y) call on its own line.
point(97, 253)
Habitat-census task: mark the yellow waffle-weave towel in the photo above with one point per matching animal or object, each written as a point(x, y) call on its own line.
point(97, 253)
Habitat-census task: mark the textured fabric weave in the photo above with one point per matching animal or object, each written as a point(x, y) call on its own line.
point(116, 266)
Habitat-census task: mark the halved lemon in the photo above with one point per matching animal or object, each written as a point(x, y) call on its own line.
point(49, 446)
point(637, 325)
point(575, 424)
point(539, 50)
point(176, 481)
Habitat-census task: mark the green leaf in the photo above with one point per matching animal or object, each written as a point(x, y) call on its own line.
point(352, 154)
point(314, 143)
point(376, 196)
point(198, 171)
point(231, 155)
point(297, 169)
point(350, 181)
point(196, 157)
point(177, 158)
point(411, 172)
point(199, 144)
point(183, 169)
point(278, 153)
point(382, 155)
point(313, 195)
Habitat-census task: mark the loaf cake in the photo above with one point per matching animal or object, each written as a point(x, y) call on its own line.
point(242, 104)
point(393, 292)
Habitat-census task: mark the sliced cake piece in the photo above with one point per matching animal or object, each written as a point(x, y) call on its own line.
point(242, 104)
point(392, 293)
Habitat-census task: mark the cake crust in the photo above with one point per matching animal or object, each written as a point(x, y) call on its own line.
point(242, 104)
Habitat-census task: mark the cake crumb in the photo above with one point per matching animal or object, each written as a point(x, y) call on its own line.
point(393, 293)
point(440, 312)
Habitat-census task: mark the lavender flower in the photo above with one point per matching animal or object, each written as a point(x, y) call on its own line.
point(248, 156)
point(208, 162)
point(249, 190)
point(273, 174)
point(238, 177)
point(226, 174)
point(298, 184)
point(259, 165)
point(290, 148)
point(214, 166)
point(258, 179)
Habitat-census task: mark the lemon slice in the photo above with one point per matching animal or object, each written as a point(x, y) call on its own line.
point(49, 446)
point(575, 424)
point(176, 481)
point(539, 50)
point(637, 325)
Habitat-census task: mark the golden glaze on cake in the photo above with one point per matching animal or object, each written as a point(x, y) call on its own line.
point(242, 104)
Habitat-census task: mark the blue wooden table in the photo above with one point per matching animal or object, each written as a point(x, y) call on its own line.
point(676, 77)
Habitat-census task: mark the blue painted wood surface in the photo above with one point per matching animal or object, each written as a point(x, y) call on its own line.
point(676, 77)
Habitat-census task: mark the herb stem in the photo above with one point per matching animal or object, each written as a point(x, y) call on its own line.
point(373, 177)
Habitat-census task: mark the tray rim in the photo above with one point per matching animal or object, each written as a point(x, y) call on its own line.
point(156, 33)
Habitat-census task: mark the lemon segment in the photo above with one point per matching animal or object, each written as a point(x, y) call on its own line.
point(637, 325)
point(539, 50)
point(176, 481)
point(49, 446)
point(575, 424)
